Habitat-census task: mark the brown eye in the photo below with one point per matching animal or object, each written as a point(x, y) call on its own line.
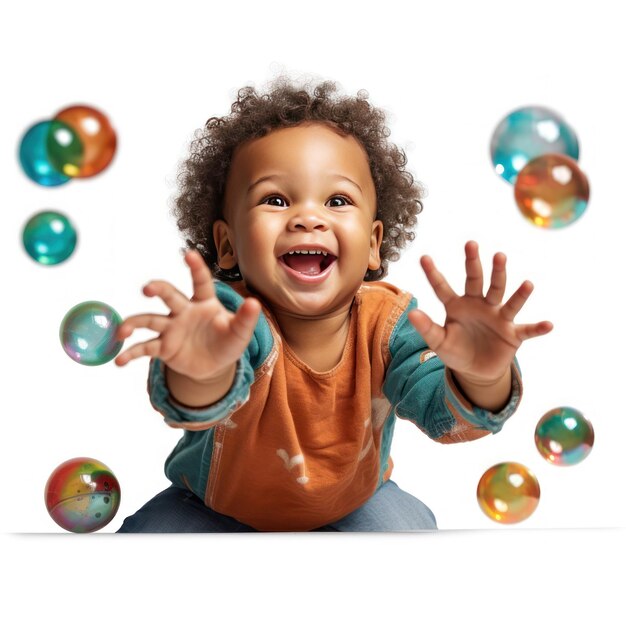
point(344, 201)
point(269, 200)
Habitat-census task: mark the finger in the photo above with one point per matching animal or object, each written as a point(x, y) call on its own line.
point(152, 321)
point(498, 280)
point(432, 333)
point(175, 300)
point(442, 289)
point(245, 319)
point(202, 279)
point(529, 331)
point(514, 304)
point(150, 348)
point(474, 270)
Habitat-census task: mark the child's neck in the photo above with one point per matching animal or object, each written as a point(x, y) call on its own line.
point(319, 343)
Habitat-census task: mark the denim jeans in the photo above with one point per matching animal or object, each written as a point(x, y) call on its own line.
point(177, 510)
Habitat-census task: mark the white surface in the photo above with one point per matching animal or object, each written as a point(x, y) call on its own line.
point(446, 73)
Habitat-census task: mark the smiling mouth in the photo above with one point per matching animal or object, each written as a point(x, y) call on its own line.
point(308, 264)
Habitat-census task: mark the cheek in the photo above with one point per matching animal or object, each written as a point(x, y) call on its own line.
point(355, 235)
point(258, 241)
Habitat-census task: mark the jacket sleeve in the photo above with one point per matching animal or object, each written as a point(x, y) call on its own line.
point(181, 416)
point(421, 389)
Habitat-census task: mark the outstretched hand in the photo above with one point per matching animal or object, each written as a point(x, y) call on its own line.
point(479, 337)
point(200, 338)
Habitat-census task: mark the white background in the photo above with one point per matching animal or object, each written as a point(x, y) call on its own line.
point(446, 73)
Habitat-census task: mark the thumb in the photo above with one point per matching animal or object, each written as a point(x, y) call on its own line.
point(245, 319)
point(433, 333)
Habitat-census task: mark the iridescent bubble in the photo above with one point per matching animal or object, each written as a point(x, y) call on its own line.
point(82, 495)
point(563, 436)
point(551, 191)
point(508, 493)
point(49, 237)
point(88, 333)
point(96, 134)
point(35, 158)
point(527, 133)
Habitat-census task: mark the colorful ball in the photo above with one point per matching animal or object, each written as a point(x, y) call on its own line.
point(97, 137)
point(563, 436)
point(551, 191)
point(88, 333)
point(527, 133)
point(82, 495)
point(34, 155)
point(49, 237)
point(508, 493)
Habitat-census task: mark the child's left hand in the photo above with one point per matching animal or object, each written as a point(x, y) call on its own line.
point(479, 338)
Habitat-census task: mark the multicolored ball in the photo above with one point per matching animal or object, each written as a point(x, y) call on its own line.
point(82, 495)
point(564, 436)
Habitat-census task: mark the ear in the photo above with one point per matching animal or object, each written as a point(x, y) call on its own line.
point(375, 242)
point(226, 254)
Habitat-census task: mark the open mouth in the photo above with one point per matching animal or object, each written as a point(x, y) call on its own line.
point(308, 264)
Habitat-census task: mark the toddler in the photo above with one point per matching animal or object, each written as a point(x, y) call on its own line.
point(288, 366)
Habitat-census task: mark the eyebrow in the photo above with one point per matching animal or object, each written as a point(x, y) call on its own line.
point(272, 176)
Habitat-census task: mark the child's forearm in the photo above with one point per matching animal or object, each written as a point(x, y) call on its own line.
point(196, 394)
point(491, 397)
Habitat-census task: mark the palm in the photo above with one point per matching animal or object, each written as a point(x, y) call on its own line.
point(200, 337)
point(479, 338)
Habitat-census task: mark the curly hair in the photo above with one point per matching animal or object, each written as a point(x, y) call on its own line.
point(202, 176)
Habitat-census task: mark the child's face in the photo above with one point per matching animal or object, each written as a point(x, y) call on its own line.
point(306, 198)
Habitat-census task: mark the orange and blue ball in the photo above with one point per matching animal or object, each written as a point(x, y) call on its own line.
point(78, 142)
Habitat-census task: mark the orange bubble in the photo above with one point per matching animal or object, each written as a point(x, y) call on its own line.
point(508, 493)
point(96, 134)
point(551, 191)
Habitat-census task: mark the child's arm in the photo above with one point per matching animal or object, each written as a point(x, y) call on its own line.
point(479, 339)
point(200, 341)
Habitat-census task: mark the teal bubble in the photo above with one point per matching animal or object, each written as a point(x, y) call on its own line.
point(49, 237)
point(563, 436)
point(527, 133)
point(88, 332)
point(35, 158)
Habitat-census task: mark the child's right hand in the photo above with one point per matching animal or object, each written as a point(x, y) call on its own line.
point(200, 338)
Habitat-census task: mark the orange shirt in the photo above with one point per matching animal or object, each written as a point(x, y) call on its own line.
point(289, 448)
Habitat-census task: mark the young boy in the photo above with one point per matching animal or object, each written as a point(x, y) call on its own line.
point(287, 374)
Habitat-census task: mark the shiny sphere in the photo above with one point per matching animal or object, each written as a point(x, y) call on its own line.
point(49, 237)
point(34, 155)
point(551, 191)
point(563, 436)
point(97, 137)
point(82, 495)
point(527, 133)
point(88, 333)
point(508, 493)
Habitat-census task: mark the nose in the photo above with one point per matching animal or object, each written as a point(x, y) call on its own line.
point(307, 218)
